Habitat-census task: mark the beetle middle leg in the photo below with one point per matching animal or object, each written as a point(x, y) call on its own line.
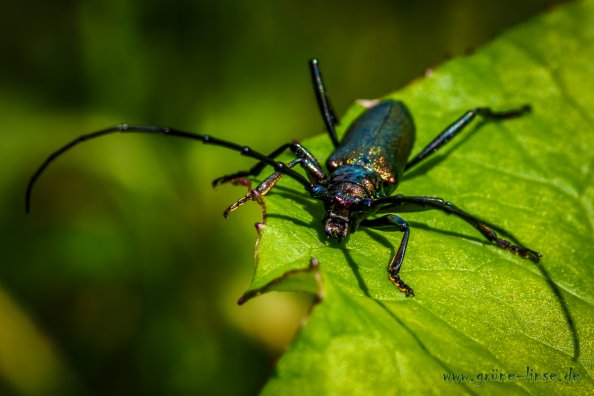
point(457, 126)
point(400, 203)
point(392, 221)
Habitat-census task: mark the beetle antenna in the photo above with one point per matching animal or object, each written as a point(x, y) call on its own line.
point(206, 139)
point(330, 118)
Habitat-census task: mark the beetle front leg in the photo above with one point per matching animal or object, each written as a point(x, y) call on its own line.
point(392, 221)
point(263, 188)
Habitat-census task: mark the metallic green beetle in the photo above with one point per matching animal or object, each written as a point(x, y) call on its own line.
point(363, 171)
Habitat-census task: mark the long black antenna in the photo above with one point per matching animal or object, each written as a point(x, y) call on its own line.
point(206, 139)
point(330, 118)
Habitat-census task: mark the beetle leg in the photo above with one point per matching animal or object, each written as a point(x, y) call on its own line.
point(264, 187)
point(330, 118)
point(392, 221)
point(400, 203)
point(257, 193)
point(457, 127)
point(314, 170)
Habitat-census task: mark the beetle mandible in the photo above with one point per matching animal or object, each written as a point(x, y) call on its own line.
point(362, 172)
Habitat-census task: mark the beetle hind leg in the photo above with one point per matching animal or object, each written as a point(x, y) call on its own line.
point(400, 203)
point(521, 251)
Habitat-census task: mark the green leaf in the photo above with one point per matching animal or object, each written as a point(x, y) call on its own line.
point(478, 309)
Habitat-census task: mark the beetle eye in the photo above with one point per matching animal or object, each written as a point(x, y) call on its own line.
point(319, 192)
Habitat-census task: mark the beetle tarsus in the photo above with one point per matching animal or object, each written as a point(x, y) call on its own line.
point(521, 251)
point(252, 195)
point(406, 289)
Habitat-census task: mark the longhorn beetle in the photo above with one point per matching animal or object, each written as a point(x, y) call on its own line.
point(362, 172)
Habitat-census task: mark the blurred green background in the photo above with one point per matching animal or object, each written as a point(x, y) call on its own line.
point(123, 279)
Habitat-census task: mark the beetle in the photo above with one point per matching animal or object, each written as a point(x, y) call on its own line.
point(362, 172)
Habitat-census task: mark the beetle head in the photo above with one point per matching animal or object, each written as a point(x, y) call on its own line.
point(343, 203)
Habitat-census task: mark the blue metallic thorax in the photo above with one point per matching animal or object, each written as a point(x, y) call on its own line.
point(375, 148)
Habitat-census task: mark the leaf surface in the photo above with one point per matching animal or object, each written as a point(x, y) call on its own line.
point(478, 310)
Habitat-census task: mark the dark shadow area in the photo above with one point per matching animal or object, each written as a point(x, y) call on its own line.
point(565, 309)
point(422, 226)
point(315, 224)
point(376, 236)
point(355, 268)
point(301, 197)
